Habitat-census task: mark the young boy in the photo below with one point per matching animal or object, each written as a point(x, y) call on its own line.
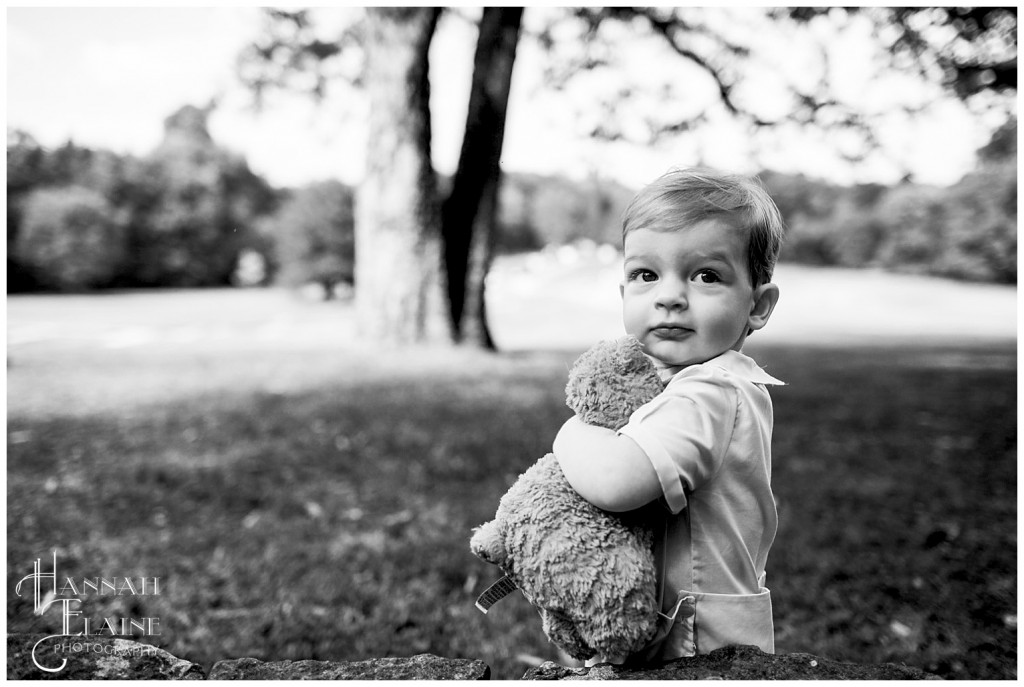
point(699, 249)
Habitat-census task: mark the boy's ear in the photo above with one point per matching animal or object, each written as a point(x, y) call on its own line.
point(762, 304)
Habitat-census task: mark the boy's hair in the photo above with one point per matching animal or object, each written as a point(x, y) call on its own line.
point(682, 197)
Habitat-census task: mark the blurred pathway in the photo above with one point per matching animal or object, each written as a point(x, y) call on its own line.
point(179, 319)
point(570, 300)
point(564, 299)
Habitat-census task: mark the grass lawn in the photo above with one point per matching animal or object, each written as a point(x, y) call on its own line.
point(303, 497)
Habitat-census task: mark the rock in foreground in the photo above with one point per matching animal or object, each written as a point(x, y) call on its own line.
point(93, 658)
point(421, 667)
point(736, 663)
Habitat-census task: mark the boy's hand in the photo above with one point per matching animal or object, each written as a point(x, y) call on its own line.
point(604, 467)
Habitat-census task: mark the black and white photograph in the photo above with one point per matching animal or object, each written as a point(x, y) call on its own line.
point(511, 343)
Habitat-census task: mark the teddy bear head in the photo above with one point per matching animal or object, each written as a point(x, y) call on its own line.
point(610, 381)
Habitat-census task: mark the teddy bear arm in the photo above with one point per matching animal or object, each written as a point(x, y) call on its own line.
point(487, 543)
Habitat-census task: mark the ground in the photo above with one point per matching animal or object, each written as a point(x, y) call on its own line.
point(304, 496)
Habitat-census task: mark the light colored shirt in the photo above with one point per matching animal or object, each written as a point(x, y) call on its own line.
point(708, 436)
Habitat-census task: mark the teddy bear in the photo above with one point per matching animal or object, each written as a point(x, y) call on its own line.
point(590, 573)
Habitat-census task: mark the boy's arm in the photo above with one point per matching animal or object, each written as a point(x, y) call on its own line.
point(606, 468)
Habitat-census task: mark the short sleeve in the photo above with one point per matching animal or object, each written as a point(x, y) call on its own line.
point(685, 432)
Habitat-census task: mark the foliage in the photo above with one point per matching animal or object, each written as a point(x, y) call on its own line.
point(188, 210)
point(969, 50)
point(71, 238)
point(30, 167)
point(967, 231)
point(190, 225)
point(537, 211)
point(1002, 148)
point(726, 62)
point(314, 234)
point(981, 240)
point(194, 208)
point(311, 505)
point(188, 213)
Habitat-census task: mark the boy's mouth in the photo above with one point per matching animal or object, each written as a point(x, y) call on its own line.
point(671, 331)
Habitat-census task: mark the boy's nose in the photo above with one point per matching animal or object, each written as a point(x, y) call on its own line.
point(671, 296)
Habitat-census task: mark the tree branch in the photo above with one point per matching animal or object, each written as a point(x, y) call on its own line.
point(669, 29)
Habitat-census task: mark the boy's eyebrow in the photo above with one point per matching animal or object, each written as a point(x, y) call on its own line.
point(638, 255)
point(718, 255)
point(710, 256)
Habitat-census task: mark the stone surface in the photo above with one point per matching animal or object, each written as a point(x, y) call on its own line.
point(736, 663)
point(114, 658)
point(94, 658)
point(421, 667)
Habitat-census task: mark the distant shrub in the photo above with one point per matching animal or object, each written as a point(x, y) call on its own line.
point(31, 167)
point(314, 232)
point(809, 240)
point(982, 226)
point(917, 217)
point(71, 238)
point(967, 231)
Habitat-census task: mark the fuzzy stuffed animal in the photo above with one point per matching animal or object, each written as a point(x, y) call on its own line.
point(589, 572)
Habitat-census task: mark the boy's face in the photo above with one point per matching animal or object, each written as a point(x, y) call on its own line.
point(686, 293)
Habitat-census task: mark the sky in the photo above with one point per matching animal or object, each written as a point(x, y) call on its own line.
point(108, 77)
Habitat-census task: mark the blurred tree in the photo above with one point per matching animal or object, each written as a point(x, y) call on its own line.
point(470, 212)
point(921, 215)
point(539, 210)
point(1002, 149)
point(982, 232)
point(965, 231)
point(398, 235)
point(71, 238)
point(31, 167)
point(970, 50)
point(315, 236)
point(401, 234)
point(193, 207)
point(516, 231)
point(859, 231)
point(25, 171)
point(422, 259)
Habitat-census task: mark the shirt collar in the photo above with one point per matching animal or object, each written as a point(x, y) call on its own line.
point(733, 362)
point(744, 367)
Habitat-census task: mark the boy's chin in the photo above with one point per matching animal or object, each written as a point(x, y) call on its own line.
point(666, 369)
point(664, 356)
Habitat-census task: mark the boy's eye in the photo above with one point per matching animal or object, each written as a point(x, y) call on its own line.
point(642, 275)
point(707, 276)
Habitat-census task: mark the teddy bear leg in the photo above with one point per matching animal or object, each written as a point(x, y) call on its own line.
point(563, 633)
point(617, 659)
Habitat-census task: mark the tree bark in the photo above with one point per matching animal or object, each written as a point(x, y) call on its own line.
point(399, 283)
point(469, 214)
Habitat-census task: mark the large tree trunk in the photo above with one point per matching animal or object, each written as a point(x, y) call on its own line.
point(399, 285)
point(469, 214)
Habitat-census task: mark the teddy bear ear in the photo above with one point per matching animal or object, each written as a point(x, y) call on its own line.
point(487, 543)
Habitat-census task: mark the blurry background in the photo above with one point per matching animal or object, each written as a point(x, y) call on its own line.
point(195, 391)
